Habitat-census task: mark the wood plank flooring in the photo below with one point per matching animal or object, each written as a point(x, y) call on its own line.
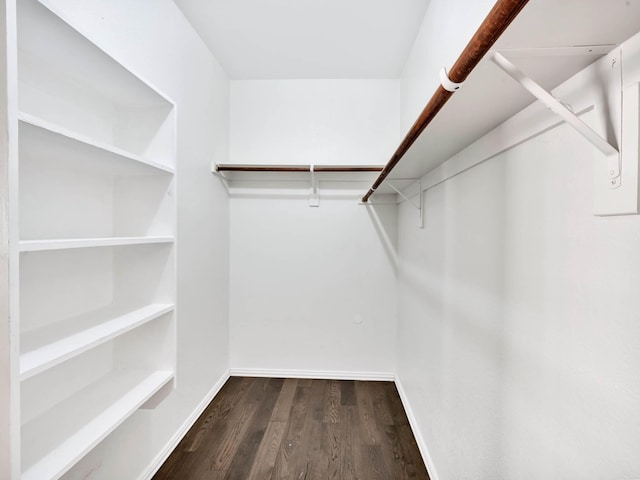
point(299, 429)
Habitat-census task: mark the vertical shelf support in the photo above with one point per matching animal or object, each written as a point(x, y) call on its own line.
point(420, 200)
point(556, 106)
point(314, 197)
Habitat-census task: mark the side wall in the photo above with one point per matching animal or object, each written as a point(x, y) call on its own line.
point(313, 289)
point(517, 325)
point(9, 372)
point(154, 39)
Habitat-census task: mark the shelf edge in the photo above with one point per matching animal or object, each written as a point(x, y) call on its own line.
point(72, 243)
point(77, 137)
point(57, 462)
point(30, 368)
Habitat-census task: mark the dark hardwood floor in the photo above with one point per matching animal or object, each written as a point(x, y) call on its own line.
point(299, 429)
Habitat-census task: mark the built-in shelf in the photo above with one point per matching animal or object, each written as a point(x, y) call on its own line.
point(65, 145)
point(68, 80)
point(96, 204)
point(69, 243)
point(76, 425)
point(46, 347)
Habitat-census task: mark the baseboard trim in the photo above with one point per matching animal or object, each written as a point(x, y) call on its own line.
point(325, 375)
point(182, 431)
point(413, 423)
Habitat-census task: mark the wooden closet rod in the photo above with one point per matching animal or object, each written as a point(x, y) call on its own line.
point(497, 21)
point(296, 168)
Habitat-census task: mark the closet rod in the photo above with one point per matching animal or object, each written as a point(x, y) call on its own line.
point(296, 168)
point(496, 22)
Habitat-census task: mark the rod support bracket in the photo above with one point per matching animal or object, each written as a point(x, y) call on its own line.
point(314, 196)
point(446, 82)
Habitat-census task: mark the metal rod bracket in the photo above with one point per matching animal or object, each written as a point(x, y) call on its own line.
point(446, 82)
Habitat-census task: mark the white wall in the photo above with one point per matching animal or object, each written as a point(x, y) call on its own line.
point(518, 322)
point(153, 39)
point(303, 278)
point(517, 326)
point(447, 27)
point(312, 289)
point(314, 121)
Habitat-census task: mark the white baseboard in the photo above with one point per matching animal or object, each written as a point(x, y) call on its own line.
point(422, 444)
point(328, 375)
point(182, 431)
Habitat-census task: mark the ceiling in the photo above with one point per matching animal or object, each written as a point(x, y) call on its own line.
point(270, 39)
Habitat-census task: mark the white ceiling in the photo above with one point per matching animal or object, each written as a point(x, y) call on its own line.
point(263, 39)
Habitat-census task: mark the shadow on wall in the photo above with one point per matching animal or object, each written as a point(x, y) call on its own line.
point(384, 219)
point(451, 320)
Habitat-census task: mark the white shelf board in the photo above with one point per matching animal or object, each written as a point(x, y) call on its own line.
point(543, 43)
point(69, 243)
point(65, 145)
point(53, 442)
point(46, 347)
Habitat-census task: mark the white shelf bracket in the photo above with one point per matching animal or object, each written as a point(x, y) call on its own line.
point(314, 197)
point(556, 106)
point(420, 200)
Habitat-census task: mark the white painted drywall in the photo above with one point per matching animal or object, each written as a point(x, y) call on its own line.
point(153, 39)
point(518, 331)
point(312, 289)
point(517, 325)
point(303, 278)
point(314, 121)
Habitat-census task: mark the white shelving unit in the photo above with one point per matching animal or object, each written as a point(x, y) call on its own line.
point(97, 243)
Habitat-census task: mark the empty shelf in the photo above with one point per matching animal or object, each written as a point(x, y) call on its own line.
point(68, 243)
point(57, 439)
point(46, 347)
point(67, 145)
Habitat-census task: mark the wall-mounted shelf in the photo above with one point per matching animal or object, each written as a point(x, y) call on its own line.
point(544, 45)
point(298, 180)
point(294, 173)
